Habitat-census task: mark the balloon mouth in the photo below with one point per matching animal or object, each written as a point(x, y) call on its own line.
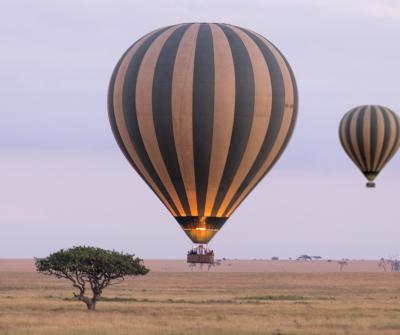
point(370, 175)
point(201, 229)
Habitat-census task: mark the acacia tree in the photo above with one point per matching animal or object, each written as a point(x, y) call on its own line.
point(90, 267)
point(342, 264)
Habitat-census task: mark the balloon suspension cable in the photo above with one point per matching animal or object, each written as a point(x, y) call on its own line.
point(370, 184)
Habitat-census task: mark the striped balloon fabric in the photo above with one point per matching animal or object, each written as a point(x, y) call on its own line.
point(202, 112)
point(370, 135)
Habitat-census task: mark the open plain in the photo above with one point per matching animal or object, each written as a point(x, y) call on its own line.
point(237, 297)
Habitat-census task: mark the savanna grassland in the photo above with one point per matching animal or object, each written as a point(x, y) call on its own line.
point(227, 300)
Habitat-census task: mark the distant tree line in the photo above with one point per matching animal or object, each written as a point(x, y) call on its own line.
point(392, 265)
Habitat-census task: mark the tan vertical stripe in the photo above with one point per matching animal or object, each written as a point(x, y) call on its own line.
point(224, 109)
point(380, 135)
point(287, 79)
point(284, 129)
point(120, 120)
point(261, 115)
point(392, 138)
point(353, 137)
point(367, 137)
point(144, 108)
point(344, 138)
point(182, 96)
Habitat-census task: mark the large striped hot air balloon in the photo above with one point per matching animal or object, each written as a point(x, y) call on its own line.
point(202, 112)
point(370, 135)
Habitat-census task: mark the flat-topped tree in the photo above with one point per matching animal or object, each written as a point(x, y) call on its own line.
point(89, 267)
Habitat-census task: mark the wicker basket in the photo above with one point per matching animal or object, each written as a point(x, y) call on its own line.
point(196, 258)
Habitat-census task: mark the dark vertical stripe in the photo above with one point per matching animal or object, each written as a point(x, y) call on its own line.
point(396, 134)
point(129, 109)
point(110, 107)
point(111, 116)
point(397, 128)
point(360, 136)
point(386, 136)
point(374, 134)
point(203, 111)
point(349, 138)
point(341, 137)
point(344, 139)
point(278, 107)
point(295, 108)
point(244, 109)
point(162, 112)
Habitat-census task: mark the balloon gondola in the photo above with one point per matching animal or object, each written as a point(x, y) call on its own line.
point(202, 112)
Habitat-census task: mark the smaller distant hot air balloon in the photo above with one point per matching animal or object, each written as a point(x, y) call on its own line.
point(370, 135)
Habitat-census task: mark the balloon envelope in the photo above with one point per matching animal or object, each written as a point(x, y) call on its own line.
point(202, 112)
point(370, 135)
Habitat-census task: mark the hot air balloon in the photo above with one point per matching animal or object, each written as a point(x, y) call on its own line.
point(202, 112)
point(370, 135)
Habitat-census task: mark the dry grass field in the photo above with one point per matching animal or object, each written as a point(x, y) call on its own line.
point(245, 297)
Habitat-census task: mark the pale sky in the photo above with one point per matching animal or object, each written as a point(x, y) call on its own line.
point(64, 181)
